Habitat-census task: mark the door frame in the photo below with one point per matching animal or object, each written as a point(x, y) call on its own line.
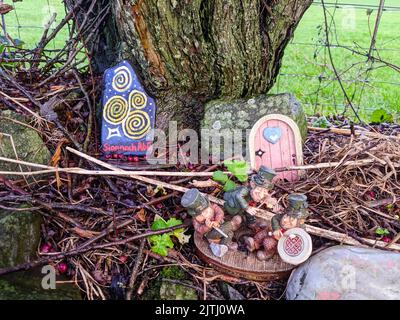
point(292, 125)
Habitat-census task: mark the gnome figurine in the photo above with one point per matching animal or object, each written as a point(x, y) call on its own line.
point(265, 241)
point(208, 221)
point(294, 216)
point(258, 190)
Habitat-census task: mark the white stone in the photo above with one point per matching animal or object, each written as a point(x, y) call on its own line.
point(347, 273)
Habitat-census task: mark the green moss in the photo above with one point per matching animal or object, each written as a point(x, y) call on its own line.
point(153, 290)
point(173, 272)
point(19, 237)
point(172, 291)
point(26, 285)
point(159, 289)
point(27, 142)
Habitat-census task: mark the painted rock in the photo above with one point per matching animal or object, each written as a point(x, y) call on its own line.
point(128, 113)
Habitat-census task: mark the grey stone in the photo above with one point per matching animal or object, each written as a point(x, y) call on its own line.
point(244, 113)
point(347, 273)
point(221, 117)
point(173, 291)
point(19, 237)
point(28, 143)
point(26, 285)
point(19, 230)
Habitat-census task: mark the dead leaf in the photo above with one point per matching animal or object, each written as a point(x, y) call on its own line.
point(141, 215)
point(56, 159)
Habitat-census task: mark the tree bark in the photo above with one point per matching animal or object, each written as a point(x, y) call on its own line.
point(188, 52)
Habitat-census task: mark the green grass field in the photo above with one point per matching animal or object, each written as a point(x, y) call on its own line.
point(26, 22)
point(304, 61)
point(305, 58)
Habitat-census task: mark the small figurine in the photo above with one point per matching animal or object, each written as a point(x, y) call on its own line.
point(208, 221)
point(266, 241)
point(237, 201)
point(294, 217)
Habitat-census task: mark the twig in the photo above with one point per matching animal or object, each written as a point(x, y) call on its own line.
point(135, 269)
point(342, 238)
point(74, 252)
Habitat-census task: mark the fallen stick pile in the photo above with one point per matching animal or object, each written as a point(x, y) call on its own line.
point(341, 238)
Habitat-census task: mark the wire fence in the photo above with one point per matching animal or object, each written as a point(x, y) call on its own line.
point(344, 57)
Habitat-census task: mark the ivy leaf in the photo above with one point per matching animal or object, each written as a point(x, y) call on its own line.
point(239, 169)
point(382, 231)
point(229, 185)
point(381, 115)
point(220, 176)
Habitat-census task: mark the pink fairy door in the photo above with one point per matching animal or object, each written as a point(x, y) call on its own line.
point(275, 142)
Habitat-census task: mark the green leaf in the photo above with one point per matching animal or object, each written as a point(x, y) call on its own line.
point(381, 115)
point(161, 243)
point(321, 122)
point(4, 40)
point(382, 231)
point(182, 238)
point(229, 185)
point(173, 222)
point(220, 176)
point(159, 223)
point(239, 169)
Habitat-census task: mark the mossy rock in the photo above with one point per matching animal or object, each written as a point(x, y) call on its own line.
point(225, 116)
point(19, 237)
point(26, 285)
point(28, 143)
point(173, 291)
point(161, 289)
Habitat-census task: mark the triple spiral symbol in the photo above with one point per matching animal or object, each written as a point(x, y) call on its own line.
point(136, 125)
point(137, 99)
point(118, 111)
point(122, 79)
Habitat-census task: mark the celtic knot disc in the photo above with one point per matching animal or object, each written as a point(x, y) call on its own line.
point(293, 246)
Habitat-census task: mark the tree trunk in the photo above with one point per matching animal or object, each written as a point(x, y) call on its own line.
point(191, 51)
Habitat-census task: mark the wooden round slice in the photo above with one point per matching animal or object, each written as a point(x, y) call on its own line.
point(242, 265)
point(295, 246)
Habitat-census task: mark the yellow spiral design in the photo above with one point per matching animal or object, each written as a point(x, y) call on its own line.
point(122, 80)
point(115, 110)
point(137, 100)
point(136, 125)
